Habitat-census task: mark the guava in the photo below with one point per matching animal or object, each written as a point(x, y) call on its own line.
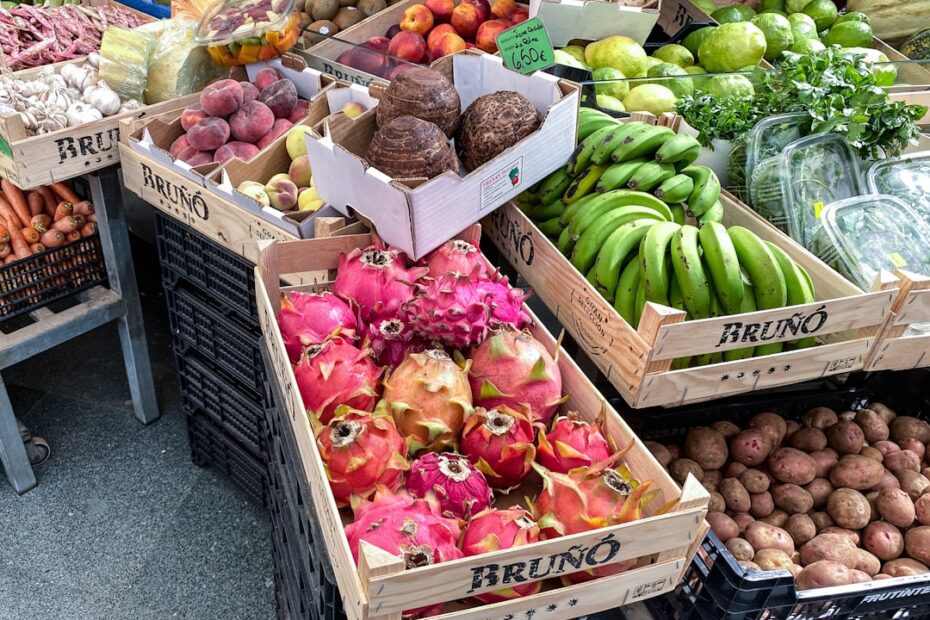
point(849, 34)
point(802, 26)
point(610, 87)
point(575, 50)
point(673, 81)
point(707, 6)
point(729, 86)
point(733, 14)
point(693, 41)
point(675, 54)
point(853, 16)
point(770, 5)
point(885, 72)
point(777, 31)
point(795, 6)
point(696, 71)
point(732, 46)
point(652, 98)
point(807, 46)
point(610, 103)
point(564, 58)
point(620, 52)
point(823, 12)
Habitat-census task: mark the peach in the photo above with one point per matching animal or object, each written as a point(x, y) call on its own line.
point(209, 134)
point(448, 43)
point(465, 19)
point(252, 121)
point(379, 43)
point(503, 8)
point(519, 15)
point(179, 145)
point(255, 191)
point(282, 193)
point(300, 111)
point(249, 91)
point(353, 109)
point(191, 116)
point(242, 150)
point(408, 45)
point(193, 157)
point(300, 172)
point(483, 6)
point(221, 98)
point(281, 126)
point(437, 32)
point(364, 60)
point(417, 18)
point(441, 9)
point(280, 97)
point(486, 37)
point(266, 77)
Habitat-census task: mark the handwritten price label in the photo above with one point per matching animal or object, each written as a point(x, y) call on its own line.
point(526, 47)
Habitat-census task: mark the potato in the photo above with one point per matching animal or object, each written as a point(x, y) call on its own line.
point(824, 460)
point(801, 528)
point(791, 465)
point(905, 459)
point(706, 447)
point(884, 411)
point(796, 556)
point(867, 563)
point(764, 536)
point(673, 450)
point(886, 447)
point(849, 508)
point(821, 520)
point(845, 437)
point(791, 427)
point(751, 447)
point(888, 481)
point(716, 503)
point(796, 570)
point(858, 576)
point(762, 504)
point(726, 428)
point(856, 472)
point(912, 483)
point(791, 498)
point(896, 507)
point(740, 548)
point(735, 495)
point(881, 576)
point(925, 472)
point(873, 427)
point(873, 511)
point(734, 469)
point(778, 518)
point(723, 526)
point(846, 416)
point(743, 519)
point(904, 567)
point(808, 440)
point(916, 543)
point(872, 453)
point(680, 468)
point(819, 489)
point(712, 478)
point(660, 452)
point(883, 540)
point(822, 574)
point(772, 559)
point(820, 418)
point(906, 427)
point(842, 531)
point(772, 426)
point(914, 446)
point(754, 481)
point(922, 509)
point(833, 547)
point(752, 566)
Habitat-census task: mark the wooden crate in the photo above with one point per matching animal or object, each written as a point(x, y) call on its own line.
point(897, 349)
point(380, 587)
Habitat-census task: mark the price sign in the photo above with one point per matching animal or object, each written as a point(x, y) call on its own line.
point(526, 47)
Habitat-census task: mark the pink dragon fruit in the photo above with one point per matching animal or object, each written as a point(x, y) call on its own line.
point(429, 396)
point(456, 256)
point(461, 489)
point(337, 373)
point(572, 443)
point(361, 451)
point(506, 304)
point(307, 319)
point(391, 336)
point(512, 368)
point(494, 530)
point(411, 529)
point(375, 278)
point(500, 444)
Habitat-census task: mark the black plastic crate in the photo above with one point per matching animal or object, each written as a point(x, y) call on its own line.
point(223, 340)
point(211, 447)
point(188, 255)
point(716, 587)
point(237, 413)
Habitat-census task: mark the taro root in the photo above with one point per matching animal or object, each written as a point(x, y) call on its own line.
point(424, 94)
point(408, 147)
point(492, 124)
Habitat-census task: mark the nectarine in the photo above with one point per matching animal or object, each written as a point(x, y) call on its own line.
point(417, 18)
point(449, 43)
point(486, 37)
point(503, 8)
point(437, 32)
point(408, 45)
point(483, 6)
point(465, 19)
point(519, 15)
point(441, 9)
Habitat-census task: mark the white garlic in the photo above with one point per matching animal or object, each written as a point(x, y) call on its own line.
point(94, 59)
point(131, 105)
point(101, 97)
point(80, 113)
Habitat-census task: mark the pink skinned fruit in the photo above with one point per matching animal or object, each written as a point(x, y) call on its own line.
point(249, 92)
point(376, 278)
point(221, 98)
point(506, 303)
point(496, 530)
point(307, 319)
point(456, 256)
point(280, 97)
point(300, 111)
point(234, 149)
point(179, 145)
point(191, 116)
point(209, 134)
point(266, 77)
point(461, 489)
point(572, 443)
point(280, 127)
point(336, 373)
point(193, 157)
point(391, 336)
point(250, 122)
point(500, 444)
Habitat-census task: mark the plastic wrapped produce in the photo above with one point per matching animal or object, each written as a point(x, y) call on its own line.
point(179, 66)
point(124, 60)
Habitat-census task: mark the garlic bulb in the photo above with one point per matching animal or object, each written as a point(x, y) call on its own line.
point(80, 113)
point(131, 105)
point(94, 59)
point(29, 121)
point(57, 98)
point(7, 110)
point(101, 97)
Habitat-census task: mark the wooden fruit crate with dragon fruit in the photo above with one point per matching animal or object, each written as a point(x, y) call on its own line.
point(654, 549)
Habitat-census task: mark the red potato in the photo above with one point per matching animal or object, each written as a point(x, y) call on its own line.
point(711, 478)
point(716, 503)
point(905, 459)
point(858, 576)
point(846, 416)
point(680, 468)
point(888, 481)
point(904, 567)
point(772, 559)
point(754, 481)
point(791, 465)
point(734, 470)
point(819, 417)
point(726, 429)
point(743, 519)
point(884, 411)
point(723, 526)
point(873, 426)
point(883, 540)
point(791, 498)
point(914, 446)
point(872, 453)
point(706, 447)
point(917, 543)
point(740, 549)
point(857, 472)
point(849, 508)
point(867, 563)
point(886, 447)
point(819, 490)
point(778, 518)
point(821, 520)
point(922, 509)
point(895, 507)
point(824, 461)
point(791, 427)
point(823, 574)
point(845, 533)
point(845, 437)
point(771, 425)
point(735, 495)
point(673, 450)
point(834, 547)
point(906, 427)
point(913, 483)
point(660, 452)
point(801, 528)
point(750, 448)
point(764, 536)
point(761, 504)
point(808, 440)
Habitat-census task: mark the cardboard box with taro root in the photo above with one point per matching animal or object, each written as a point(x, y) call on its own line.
point(396, 167)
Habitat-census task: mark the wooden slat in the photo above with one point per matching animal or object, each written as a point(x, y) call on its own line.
point(915, 309)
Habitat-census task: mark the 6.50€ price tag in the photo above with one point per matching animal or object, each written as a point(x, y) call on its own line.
point(526, 47)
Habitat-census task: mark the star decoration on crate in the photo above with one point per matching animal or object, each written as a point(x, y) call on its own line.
point(552, 607)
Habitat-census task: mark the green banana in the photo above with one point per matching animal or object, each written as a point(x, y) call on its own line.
point(626, 287)
point(590, 120)
point(723, 265)
point(551, 227)
point(748, 305)
point(676, 188)
point(609, 142)
point(541, 213)
point(575, 207)
point(614, 200)
point(686, 260)
point(678, 214)
point(653, 252)
point(807, 276)
point(528, 198)
point(714, 214)
point(650, 175)
point(618, 175)
point(706, 189)
point(639, 304)
point(589, 244)
point(767, 279)
point(798, 290)
point(564, 242)
point(590, 277)
point(583, 184)
point(675, 301)
point(679, 148)
point(641, 143)
point(554, 186)
point(582, 155)
point(619, 245)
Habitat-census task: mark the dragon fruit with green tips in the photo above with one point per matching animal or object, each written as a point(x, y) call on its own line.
point(456, 256)
point(412, 529)
point(500, 444)
point(514, 369)
point(572, 443)
point(334, 374)
point(391, 335)
point(461, 489)
point(376, 277)
point(308, 319)
point(495, 530)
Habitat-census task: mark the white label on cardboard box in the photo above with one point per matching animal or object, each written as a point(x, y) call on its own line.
point(497, 186)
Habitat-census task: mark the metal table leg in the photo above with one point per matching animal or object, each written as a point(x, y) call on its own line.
point(12, 450)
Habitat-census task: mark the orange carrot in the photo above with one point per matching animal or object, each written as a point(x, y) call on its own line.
point(73, 235)
point(5, 250)
point(12, 258)
point(88, 229)
point(92, 217)
point(66, 224)
point(49, 198)
point(64, 209)
point(65, 192)
point(84, 207)
point(30, 234)
point(4, 234)
point(20, 247)
point(36, 248)
point(17, 200)
point(41, 222)
point(36, 203)
point(80, 220)
point(52, 238)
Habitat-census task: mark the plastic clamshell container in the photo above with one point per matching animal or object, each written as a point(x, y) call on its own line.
point(862, 235)
point(907, 178)
point(239, 32)
point(769, 137)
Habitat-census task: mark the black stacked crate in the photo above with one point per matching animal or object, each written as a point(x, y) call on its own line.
point(210, 293)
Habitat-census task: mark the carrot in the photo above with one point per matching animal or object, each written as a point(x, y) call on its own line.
point(84, 207)
point(74, 235)
point(30, 234)
point(20, 247)
point(36, 203)
point(41, 222)
point(88, 229)
point(92, 217)
point(15, 197)
point(5, 250)
point(4, 234)
point(52, 238)
point(80, 220)
point(64, 209)
point(49, 198)
point(12, 258)
point(66, 224)
point(37, 247)
point(65, 192)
